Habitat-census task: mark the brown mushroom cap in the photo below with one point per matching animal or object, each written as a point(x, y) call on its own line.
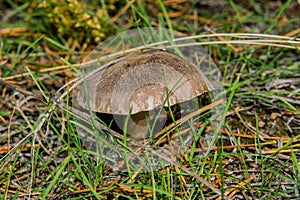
point(142, 82)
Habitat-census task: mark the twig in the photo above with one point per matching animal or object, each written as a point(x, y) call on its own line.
point(19, 89)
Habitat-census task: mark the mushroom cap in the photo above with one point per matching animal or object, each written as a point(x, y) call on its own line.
point(142, 82)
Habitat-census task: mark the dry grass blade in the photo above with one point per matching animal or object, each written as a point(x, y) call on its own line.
point(35, 131)
point(150, 149)
point(14, 31)
point(187, 117)
point(248, 39)
point(255, 149)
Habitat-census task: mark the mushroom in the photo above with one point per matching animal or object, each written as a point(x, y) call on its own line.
point(139, 85)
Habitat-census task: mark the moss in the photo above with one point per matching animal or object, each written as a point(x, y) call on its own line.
point(78, 20)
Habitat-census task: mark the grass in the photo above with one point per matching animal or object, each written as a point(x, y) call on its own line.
point(257, 151)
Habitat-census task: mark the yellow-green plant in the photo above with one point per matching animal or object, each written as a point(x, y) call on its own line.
point(78, 20)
